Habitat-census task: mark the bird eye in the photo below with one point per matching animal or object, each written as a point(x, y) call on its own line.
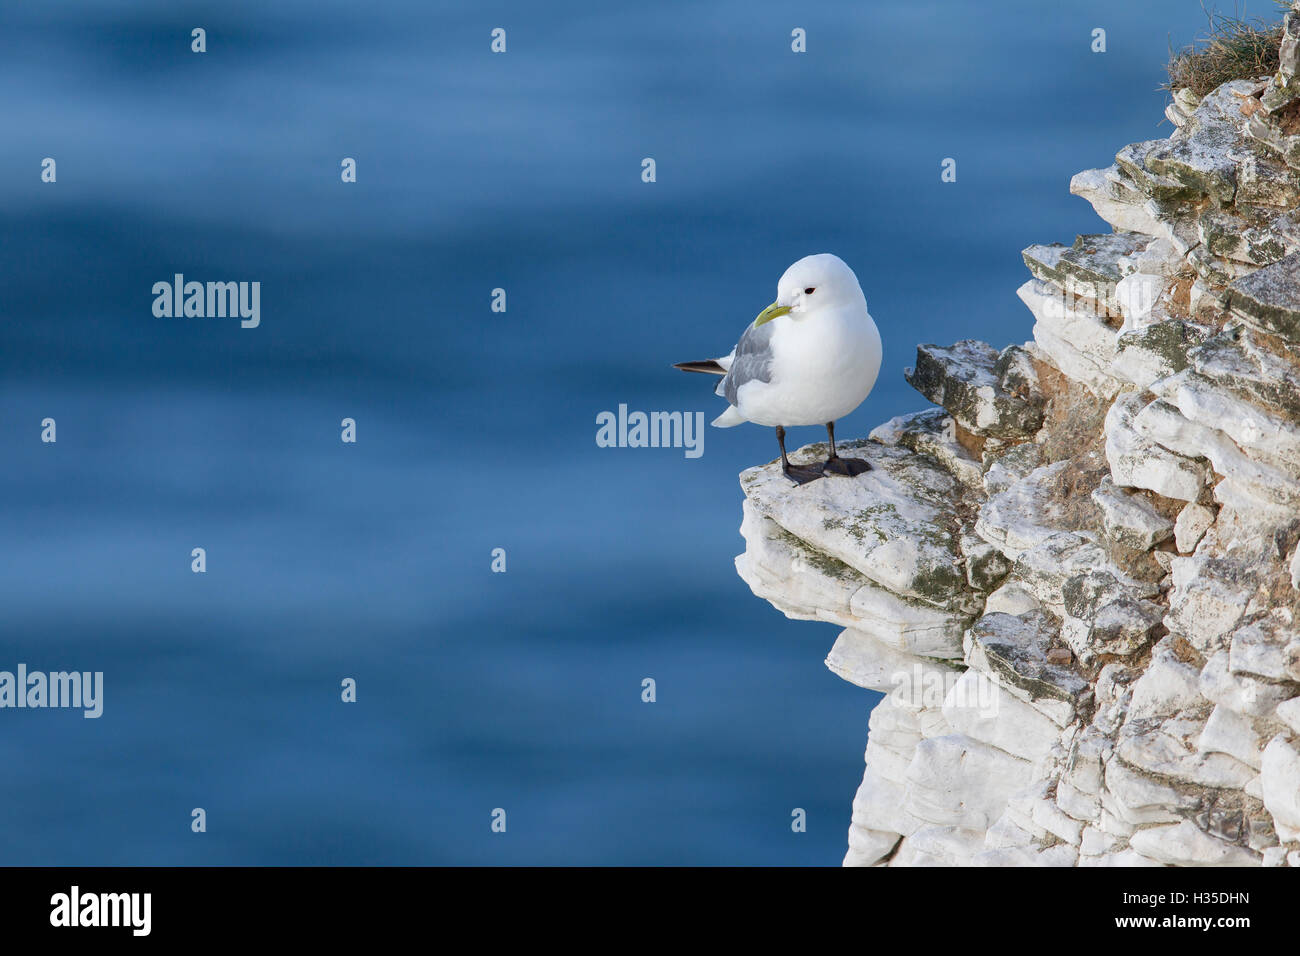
point(809, 291)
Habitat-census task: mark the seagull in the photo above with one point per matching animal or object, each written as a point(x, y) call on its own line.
point(810, 357)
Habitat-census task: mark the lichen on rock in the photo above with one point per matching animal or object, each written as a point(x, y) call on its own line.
point(1076, 580)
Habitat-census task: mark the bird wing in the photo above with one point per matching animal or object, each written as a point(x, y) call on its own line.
point(751, 361)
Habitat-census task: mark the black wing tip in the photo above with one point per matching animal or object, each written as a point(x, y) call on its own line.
point(709, 367)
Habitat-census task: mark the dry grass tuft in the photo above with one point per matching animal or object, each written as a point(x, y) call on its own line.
point(1232, 49)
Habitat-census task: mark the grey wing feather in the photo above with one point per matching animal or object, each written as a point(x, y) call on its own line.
point(752, 362)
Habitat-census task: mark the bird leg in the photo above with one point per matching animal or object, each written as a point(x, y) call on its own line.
point(799, 474)
point(835, 465)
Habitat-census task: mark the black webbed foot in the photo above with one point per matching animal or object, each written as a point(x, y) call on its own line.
point(801, 474)
point(849, 467)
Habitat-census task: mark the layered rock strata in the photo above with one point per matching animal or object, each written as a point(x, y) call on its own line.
point(1075, 580)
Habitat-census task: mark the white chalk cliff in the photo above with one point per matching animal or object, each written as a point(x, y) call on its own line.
point(1076, 580)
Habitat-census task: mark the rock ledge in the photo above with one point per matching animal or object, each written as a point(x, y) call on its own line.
point(1076, 581)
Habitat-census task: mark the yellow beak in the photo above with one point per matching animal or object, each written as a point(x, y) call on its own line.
point(770, 313)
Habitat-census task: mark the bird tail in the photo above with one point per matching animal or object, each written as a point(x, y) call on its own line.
point(729, 418)
point(707, 367)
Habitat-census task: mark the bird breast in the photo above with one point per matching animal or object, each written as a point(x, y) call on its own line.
point(824, 365)
point(839, 348)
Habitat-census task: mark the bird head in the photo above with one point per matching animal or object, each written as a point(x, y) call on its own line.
point(812, 284)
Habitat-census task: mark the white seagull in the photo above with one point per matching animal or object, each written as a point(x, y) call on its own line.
point(810, 357)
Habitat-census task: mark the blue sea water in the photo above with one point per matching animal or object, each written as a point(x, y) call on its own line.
point(476, 429)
